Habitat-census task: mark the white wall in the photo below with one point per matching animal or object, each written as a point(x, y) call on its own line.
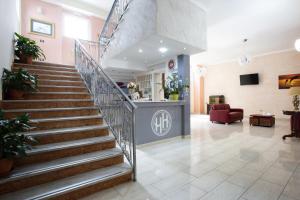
point(9, 23)
point(224, 79)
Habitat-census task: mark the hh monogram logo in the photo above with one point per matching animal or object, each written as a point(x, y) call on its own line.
point(161, 123)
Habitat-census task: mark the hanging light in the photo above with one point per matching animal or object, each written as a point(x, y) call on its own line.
point(297, 45)
point(244, 59)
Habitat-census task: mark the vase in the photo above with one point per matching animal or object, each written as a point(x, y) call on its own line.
point(15, 94)
point(174, 97)
point(131, 91)
point(6, 166)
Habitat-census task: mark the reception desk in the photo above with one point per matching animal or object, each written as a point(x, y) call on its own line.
point(156, 121)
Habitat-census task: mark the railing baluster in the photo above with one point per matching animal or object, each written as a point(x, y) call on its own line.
point(117, 109)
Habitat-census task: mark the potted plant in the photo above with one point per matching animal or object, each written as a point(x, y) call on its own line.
point(12, 142)
point(175, 87)
point(131, 87)
point(27, 50)
point(15, 84)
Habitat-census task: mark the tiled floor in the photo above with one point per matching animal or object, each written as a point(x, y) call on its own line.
point(217, 162)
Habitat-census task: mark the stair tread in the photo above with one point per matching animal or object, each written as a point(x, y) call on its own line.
point(45, 66)
point(69, 144)
point(50, 109)
point(61, 76)
point(45, 100)
point(65, 130)
point(63, 186)
point(65, 118)
point(63, 81)
point(59, 93)
point(60, 86)
point(50, 70)
point(45, 167)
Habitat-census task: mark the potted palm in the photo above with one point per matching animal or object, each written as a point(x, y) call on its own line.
point(27, 50)
point(12, 142)
point(15, 84)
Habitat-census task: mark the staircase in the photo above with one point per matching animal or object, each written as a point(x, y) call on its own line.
point(76, 154)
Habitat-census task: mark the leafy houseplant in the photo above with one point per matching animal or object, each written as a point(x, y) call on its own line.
point(175, 86)
point(27, 50)
point(15, 84)
point(131, 87)
point(12, 142)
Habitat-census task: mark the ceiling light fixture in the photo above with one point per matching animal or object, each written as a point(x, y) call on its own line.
point(161, 41)
point(141, 51)
point(297, 45)
point(184, 48)
point(163, 49)
point(244, 59)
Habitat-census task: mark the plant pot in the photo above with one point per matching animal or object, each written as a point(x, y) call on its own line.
point(131, 91)
point(15, 94)
point(6, 166)
point(26, 59)
point(174, 97)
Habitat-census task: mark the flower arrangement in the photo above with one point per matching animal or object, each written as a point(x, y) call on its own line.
point(131, 85)
point(175, 86)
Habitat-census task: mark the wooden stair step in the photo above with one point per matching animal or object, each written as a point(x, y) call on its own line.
point(57, 95)
point(68, 134)
point(53, 64)
point(36, 174)
point(48, 103)
point(47, 152)
point(48, 72)
point(52, 112)
point(77, 186)
point(66, 122)
point(45, 67)
point(54, 88)
point(59, 77)
point(60, 82)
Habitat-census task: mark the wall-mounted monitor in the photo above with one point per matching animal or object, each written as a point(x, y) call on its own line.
point(249, 79)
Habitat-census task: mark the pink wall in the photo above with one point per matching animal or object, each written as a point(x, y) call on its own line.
point(59, 49)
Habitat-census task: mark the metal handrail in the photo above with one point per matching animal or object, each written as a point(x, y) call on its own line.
point(112, 22)
point(117, 109)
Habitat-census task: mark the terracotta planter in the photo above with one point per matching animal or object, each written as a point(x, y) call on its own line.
point(174, 97)
point(26, 59)
point(15, 94)
point(6, 166)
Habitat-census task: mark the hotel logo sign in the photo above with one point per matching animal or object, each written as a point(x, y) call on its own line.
point(161, 123)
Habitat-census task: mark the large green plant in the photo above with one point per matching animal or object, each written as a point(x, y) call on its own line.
point(20, 80)
point(12, 142)
point(175, 85)
point(27, 47)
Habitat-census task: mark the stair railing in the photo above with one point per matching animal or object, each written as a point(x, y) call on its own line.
point(112, 22)
point(116, 108)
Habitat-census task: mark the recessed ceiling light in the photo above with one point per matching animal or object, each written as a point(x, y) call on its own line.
point(184, 48)
point(141, 51)
point(161, 41)
point(163, 49)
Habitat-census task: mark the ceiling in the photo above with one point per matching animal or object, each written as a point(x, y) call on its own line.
point(102, 4)
point(269, 25)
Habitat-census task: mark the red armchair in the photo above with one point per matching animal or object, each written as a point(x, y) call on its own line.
point(224, 114)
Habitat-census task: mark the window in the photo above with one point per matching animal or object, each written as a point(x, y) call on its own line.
point(76, 27)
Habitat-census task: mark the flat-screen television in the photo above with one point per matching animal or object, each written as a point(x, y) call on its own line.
point(249, 79)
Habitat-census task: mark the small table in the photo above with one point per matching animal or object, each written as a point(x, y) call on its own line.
point(295, 124)
point(262, 120)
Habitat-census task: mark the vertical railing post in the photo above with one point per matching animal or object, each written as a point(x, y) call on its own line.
point(133, 144)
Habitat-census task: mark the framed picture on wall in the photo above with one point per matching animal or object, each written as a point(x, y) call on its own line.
point(42, 28)
point(289, 80)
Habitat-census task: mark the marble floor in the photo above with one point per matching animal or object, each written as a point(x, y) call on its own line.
point(217, 162)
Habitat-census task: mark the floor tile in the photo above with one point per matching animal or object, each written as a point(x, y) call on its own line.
point(263, 190)
point(225, 191)
point(209, 181)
